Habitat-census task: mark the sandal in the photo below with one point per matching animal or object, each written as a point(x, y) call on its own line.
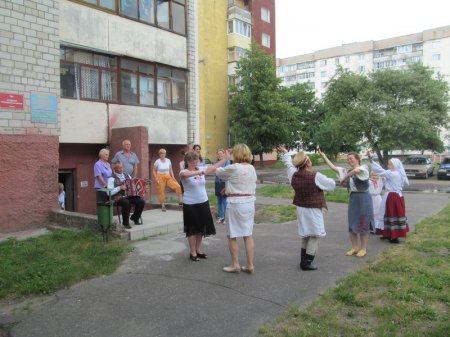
point(230, 269)
point(352, 252)
point(194, 258)
point(248, 270)
point(361, 253)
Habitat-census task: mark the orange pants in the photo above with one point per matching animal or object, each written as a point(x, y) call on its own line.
point(166, 180)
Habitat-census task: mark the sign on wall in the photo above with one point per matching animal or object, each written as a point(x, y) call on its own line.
point(44, 108)
point(11, 101)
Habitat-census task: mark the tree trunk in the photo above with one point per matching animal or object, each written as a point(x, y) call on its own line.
point(261, 161)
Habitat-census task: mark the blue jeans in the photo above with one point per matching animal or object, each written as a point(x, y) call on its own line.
point(222, 205)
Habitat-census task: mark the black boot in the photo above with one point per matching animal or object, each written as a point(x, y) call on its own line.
point(308, 263)
point(302, 257)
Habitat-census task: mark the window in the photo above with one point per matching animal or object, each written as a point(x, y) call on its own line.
point(88, 76)
point(265, 14)
point(137, 82)
point(91, 76)
point(360, 56)
point(171, 88)
point(236, 53)
point(405, 49)
point(336, 61)
point(323, 74)
point(265, 40)
point(239, 27)
point(347, 59)
point(323, 63)
point(361, 69)
point(107, 4)
point(436, 44)
point(166, 14)
point(436, 57)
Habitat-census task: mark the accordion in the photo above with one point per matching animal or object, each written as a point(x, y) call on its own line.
point(135, 187)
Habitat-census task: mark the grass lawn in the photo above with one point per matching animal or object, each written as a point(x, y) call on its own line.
point(50, 262)
point(405, 292)
point(285, 191)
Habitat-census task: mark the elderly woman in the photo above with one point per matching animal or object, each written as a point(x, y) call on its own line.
point(197, 218)
point(360, 207)
point(240, 186)
point(310, 201)
point(102, 171)
point(163, 174)
point(393, 202)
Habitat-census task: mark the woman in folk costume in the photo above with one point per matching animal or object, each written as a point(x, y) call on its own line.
point(360, 207)
point(310, 201)
point(376, 184)
point(393, 204)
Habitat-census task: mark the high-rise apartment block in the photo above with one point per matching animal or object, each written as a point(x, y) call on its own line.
point(431, 47)
point(226, 29)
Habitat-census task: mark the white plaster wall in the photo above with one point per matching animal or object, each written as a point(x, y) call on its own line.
point(83, 122)
point(164, 126)
point(97, 30)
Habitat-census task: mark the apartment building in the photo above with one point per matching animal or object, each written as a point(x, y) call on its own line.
point(226, 29)
point(80, 75)
point(431, 47)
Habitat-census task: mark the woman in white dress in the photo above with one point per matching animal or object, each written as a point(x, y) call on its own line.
point(240, 187)
point(376, 184)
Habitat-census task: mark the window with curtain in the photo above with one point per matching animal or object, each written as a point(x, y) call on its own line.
point(86, 75)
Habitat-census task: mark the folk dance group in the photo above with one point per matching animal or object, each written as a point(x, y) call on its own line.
point(367, 210)
point(235, 189)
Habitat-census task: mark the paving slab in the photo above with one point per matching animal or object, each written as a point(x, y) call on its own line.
point(158, 291)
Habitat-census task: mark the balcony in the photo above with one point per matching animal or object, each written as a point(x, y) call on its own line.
point(235, 12)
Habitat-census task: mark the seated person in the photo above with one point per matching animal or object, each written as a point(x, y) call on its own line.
point(125, 201)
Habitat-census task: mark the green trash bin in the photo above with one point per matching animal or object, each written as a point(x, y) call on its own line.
point(104, 211)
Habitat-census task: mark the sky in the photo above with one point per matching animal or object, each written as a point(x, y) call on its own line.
point(304, 26)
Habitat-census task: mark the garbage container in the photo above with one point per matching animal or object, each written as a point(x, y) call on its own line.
point(104, 211)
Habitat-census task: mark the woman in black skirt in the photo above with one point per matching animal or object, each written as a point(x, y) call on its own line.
point(197, 218)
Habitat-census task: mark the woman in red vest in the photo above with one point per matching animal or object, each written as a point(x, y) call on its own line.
point(310, 201)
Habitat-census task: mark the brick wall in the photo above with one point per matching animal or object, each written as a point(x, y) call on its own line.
point(29, 63)
point(29, 60)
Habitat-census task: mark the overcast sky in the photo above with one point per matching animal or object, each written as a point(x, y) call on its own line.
point(304, 26)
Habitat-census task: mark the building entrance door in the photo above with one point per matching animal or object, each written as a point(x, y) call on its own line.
point(66, 177)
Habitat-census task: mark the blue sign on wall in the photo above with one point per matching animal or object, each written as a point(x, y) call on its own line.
point(44, 108)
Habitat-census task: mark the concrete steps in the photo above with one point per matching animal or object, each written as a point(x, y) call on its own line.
point(156, 223)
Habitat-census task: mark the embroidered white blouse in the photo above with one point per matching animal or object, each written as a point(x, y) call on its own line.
point(239, 179)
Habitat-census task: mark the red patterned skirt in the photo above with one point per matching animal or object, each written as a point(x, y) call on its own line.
point(395, 221)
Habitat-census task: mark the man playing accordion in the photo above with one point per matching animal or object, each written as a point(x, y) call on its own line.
point(127, 196)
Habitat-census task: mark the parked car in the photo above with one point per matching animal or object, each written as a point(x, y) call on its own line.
point(418, 166)
point(444, 169)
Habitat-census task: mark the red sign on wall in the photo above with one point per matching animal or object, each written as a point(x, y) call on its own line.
point(11, 101)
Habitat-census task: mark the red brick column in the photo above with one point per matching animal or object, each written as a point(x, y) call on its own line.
point(29, 180)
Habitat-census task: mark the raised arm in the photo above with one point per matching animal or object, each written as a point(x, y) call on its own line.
point(328, 162)
point(214, 167)
point(287, 161)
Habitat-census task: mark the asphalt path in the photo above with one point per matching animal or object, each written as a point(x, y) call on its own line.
point(158, 291)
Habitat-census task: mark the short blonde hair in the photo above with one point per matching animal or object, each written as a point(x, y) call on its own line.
point(162, 151)
point(103, 151)
point(242, 154)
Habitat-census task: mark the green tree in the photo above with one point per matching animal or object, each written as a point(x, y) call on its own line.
point(386, 110)
point(259, 116)
point(310, 114)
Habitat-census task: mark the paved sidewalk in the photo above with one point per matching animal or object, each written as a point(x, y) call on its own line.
point(158, 291)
